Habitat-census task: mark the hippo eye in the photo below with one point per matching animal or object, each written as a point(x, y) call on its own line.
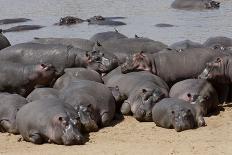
point(173, 112)
point(60, 118)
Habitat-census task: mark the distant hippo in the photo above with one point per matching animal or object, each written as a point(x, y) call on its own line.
point(90, 93)
point(105, 36)
point(167, 65)
point(185, 44)
point(22, 79)
point(4, 42)
point(69, 20)
point(83, 44)
point(140, 90)
point(41, 93)
point(9, 106)
point(195, 4)
point(49, 120)
point(73, 74)
point(218, 42)
point(191, 89)
point(99, 20)
point(22, 28)
point(13, 20)
point(164, 25)
point(177, 114)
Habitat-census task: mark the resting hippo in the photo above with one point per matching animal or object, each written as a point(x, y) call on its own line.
point(99, 20)
point(22, 28)
point(185, 44)
point(73, 74)
point(191, 89)
point(195, 4)
point(218, 42)
point(123, 47)
point(49, 120)
point(105, 36)
point(13, 20)
point(22, 79)
point(60, 56)
point(4, 42)
point(9, 106)
point(41, 93)
point(167, 65)
point(177, 114)
point(164, 25)
point(69, 20)
point(83, 44)
point(140, 90)
point(84, 92)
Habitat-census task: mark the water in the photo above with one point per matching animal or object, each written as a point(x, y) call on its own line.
point(141, 16)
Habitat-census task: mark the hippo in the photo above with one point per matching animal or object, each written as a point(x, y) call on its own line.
point(4, 42)
point(185, 44)
point(178, 114)
point(139, 91)
point(164, 25)
point(49, 120)
point(22, 28)
point(105, 36)
point(41, 93)
point(123, 47)
point(99, 20)
point(13, 20)
point(191, 89)
point(218, 42)
point(69, 20)
point(73, 74)
point(83, 44)
point(91, 93)
point(9, 106)
point(22, 79)
point(167, 65)
point(195, 4)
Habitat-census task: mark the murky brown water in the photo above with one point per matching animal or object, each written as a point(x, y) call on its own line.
point(141, 16)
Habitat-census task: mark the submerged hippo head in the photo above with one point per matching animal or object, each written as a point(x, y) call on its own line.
point(145, 102)
point(209, 4)
point(216, 70)
point(137, 62)
point(68, 20)
point(65, 130)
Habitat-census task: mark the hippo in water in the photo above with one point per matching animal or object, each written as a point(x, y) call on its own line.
point(99, 20)
point(22, 28)
point(69, 20)
point(49, 120)
point(195, 4)
point(13, 20)
point(218, 42)
point(9, 106)
point(178, 114)
point(185, 44)
point(105, 36)
point(4, 42)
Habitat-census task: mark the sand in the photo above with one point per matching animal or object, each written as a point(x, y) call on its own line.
point(132, 137)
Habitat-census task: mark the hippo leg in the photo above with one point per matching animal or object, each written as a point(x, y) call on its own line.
point(201, 121)
point(105, 119)
point(35, 138)
point(126, 108)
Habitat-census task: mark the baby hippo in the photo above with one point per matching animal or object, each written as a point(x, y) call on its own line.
point(9, 106)
point(49, 120)
point(177, 114)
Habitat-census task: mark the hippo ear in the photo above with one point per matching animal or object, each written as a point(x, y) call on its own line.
point(219, 59)
point(189, 111)
point(98, 44)
point(144, 90)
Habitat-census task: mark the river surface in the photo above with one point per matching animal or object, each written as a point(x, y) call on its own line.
point(141, 18)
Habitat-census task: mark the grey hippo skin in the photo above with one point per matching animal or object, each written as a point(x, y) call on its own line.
point(105, 36)
point(193, 89)
point(177, 114)
point(195, 4)
point(49, 120)
point(13, 20)
point(172, 67)
point(41, 93)
point(91, 94)
point(123, 47)
point(83, 44)
point(60, 56)
point(218, 42)
point(164, 25)
point(69, 20)
point(23, 28)
point(9, 106)
point(140, 90)
point(99, 20)
point(22, 79)
point(4, 42)
point(73, 74)
point(185, 44)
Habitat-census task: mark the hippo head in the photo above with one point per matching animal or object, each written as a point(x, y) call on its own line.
point(201, 103)
point(216, 70)
point(86, 114)
point(138, 62)
point(145, 102)
point(209, 4)
point(98, 17)
point(102, 62)
point(68, 20)
point(182, 119)
point(65, 130)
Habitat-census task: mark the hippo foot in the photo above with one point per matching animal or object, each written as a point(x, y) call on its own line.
point(35, 138)
point(126, 108)
point(105, 119)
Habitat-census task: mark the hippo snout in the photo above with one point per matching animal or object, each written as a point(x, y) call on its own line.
point(178, 128)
